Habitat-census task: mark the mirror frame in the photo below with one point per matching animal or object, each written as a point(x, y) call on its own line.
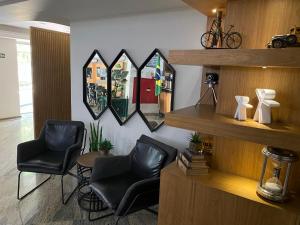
point(123, 51)
point(95, 52)
point(139, 87)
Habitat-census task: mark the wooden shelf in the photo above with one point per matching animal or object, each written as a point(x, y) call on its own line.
point(204, 119)
point(288, 57)
point(235, 185)
point(206, 7)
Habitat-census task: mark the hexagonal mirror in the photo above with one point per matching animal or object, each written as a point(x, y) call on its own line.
point(123, 86)
point(157, 83)
point(95, 84)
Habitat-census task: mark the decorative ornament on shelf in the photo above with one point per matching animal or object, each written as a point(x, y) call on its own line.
point(275, 187)
point(216, 38)
point(286, 40)
point(265, 103)
point(243, 105)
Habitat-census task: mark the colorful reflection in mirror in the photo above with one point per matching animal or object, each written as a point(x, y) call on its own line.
point(157, 84)
point(123, 87)
point(95, 85)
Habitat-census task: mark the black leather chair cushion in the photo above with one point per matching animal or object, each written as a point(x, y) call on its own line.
point(59, 136)
point(147, 160)
point(113, 189)
point(48, 160)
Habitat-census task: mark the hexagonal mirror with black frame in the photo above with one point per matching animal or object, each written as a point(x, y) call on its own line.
point(123, 85)
point(95, 84)
point(156, 89)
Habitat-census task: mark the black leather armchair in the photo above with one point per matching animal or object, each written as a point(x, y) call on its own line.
point(131, 183)
point(54, 152)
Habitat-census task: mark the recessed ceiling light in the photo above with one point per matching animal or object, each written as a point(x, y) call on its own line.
point(264, 67)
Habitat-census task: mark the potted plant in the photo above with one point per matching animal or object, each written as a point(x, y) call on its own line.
point(105, 146)
point(95, 138)
point(196, 142)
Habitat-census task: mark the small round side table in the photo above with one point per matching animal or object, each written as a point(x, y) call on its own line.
point(85, 164)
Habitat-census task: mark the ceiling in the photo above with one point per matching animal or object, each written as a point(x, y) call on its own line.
point(66, 11)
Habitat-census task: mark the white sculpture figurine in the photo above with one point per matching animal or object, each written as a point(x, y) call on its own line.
point(265, 103)
point(243, 105)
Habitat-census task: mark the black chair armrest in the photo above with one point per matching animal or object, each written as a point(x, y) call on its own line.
point(71, 156)
point(140, 195)
point(29, 149)
point(110, 166)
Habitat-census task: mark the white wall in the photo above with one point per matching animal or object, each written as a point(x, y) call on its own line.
point(9, 85)
point(139, 35)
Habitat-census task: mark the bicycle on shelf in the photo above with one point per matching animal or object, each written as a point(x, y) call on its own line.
point(215, 37)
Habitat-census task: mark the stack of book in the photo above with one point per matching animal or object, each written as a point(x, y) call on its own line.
point(192, 163)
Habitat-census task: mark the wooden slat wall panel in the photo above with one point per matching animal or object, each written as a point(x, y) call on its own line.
point(50, 76)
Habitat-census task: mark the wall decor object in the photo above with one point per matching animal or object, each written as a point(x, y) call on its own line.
point(123, 86)
point(265, 103)
point(272, 188)
point(95, 88)
point(243, 105)
point(212, 79)
point(215, 37)
point(156, 89)
point(286, 40)
point(2, 55)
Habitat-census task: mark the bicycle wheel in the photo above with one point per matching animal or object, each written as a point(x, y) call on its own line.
point(234, 40)
point(207, 40)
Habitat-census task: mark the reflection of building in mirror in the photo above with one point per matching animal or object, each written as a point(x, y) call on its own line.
point(123, 75)
point(156, 90)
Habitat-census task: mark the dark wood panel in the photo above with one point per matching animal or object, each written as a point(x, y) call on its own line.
point(50, 76)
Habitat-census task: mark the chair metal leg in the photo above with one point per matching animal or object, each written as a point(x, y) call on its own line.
point(18, 194)
point(65, 201)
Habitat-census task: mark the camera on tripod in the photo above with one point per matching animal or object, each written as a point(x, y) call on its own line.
point(211, 78)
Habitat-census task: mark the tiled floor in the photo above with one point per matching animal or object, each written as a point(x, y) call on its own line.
point(43, 207)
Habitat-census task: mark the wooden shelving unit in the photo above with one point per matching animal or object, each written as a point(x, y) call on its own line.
point(227, 195)
point(236, 185)
point(284, 58)
point(204, 119)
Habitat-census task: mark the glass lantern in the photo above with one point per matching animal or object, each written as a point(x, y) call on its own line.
point(274, 188)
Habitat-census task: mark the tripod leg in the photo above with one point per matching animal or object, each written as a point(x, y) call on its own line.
point(202, 97)
point(215, 96)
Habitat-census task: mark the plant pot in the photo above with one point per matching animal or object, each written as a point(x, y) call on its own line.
point(197, 147)
point(104, 152)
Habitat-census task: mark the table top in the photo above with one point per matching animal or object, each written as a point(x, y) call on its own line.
point(87, 160)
